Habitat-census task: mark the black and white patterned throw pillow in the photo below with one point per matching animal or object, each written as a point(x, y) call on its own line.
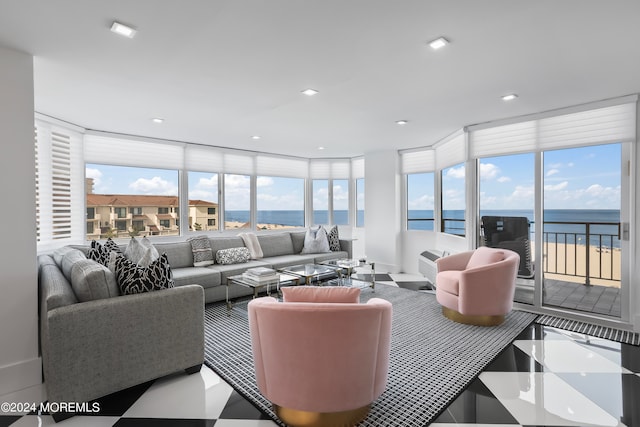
point(233, 255)
point(102, 253)
point(133, 279)
point(334, 239)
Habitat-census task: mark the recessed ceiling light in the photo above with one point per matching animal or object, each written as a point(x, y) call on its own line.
point(255, 137)
point(123, 30)
point(509, 97)
point(157, 120)
point(402, 122)
point(320, 148)
point(438, 43)
point(309, 92)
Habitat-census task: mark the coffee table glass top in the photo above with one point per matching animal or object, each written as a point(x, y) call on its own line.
point(310, 271)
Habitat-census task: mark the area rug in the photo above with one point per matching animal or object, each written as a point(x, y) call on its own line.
point(598, 331)
point(432, 358)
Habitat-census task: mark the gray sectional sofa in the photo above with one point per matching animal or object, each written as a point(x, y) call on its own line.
point(95, 342)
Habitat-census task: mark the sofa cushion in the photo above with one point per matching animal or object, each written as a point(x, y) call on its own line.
point(91, 280)
point(133, 279)
point(316, 241)
point(218, 243)
point(332, 294)
point(288, 260)
point(297, 239)
point(334, 239)
point(485, 256)
point(55, 289)
point(70, 258)
point(178, 253)
point(59, 253)
point(202, 252)
point(141, 251)
point(233, 255)
point(276, 244)
point(317, 258)
point(205, 277)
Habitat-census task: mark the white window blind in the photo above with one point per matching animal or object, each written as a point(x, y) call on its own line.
point(203, 159)
point(238, 163)
point(132, 152)
point(572, 127)
point(270, 165)
point(417, 161)
point(451, 150)
point(357, 168)
point(60, 187)
point(329, 168)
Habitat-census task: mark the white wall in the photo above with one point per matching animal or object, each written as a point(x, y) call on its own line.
point(634, 282)
point(382, 210)
point(19, 362)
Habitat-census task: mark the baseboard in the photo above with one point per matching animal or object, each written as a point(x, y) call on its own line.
point(20, 375)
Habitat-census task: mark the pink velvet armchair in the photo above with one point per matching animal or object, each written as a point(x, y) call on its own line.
point(321, 358)
point(477, 287)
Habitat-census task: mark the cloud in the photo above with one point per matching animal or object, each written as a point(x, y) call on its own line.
point(523, 192)
point(208, 196)
point(96, 174)
point(208, 182)
point(489, 171)
point(155, 185)
point(504, 179)
point(557, 187)
point(424, 202)
point(264, 181)
point(552, 172)
point(232, 182)
point(457, 173)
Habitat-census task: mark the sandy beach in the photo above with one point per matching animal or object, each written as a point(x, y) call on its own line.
point(237, 224)
point(562, 261)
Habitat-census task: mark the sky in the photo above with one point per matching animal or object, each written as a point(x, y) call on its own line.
point(273, 193)
point(577, 178)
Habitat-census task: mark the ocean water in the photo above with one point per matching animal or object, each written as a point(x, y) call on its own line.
point(562, 225)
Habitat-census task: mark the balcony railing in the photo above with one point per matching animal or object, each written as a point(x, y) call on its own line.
point(571, 253)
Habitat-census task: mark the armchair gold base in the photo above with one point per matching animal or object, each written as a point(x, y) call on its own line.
point(296, 418)
point(472, 320)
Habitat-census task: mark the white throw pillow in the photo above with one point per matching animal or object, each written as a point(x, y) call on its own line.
point(316, 241)
point(141, 252)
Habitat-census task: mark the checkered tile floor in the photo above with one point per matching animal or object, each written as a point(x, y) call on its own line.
point(546, 377)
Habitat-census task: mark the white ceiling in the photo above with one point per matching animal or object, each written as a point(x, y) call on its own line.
point(221, 71)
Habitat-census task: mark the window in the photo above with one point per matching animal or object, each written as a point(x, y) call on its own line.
point(453, 199)
point(340, 201)
point(203, 201)
point(146, 193)
point(360, 202)
point(321, 201)
point(91, 213)
point(120, 212)
point(420, 201)
point(165, 223)
point(237, 201)
point(90, 228)
point(280, 202)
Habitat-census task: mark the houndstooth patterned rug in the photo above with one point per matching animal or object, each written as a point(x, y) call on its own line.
point(432, 358)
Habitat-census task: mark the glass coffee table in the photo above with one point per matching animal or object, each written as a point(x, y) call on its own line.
point(346, 267)
point(240, 280)
point(311, 273)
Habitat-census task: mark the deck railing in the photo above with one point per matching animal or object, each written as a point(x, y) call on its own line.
point(571, 253)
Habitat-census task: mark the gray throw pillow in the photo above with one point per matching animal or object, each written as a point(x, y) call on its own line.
point(316, 241)
point(91, 280)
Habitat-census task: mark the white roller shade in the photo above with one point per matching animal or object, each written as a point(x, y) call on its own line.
point(603, 122)
point(329, 168)
point(203, 159)
point(238, 163)
point(451, 150)
point(418, 161)
point(357, 168)
point(132, 152)
point(270, 165)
